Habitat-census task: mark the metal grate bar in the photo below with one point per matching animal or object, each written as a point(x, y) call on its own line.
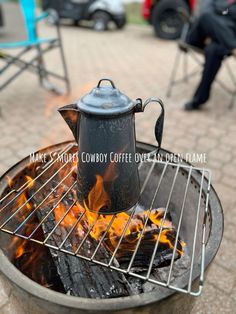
point(131, 215)
point(199, 236)
point(40, 204)
point(146, 220)
point(195, 235)
point(31, 197)
point(87, 235)
point(60, 221)
point(51, 211)
point(72, 229)
point(162, 224)
point(179, 225)
point(201, 281)
point(26, 184)
point(103, 237)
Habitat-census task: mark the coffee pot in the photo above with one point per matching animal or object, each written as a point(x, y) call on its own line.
point(103, 124)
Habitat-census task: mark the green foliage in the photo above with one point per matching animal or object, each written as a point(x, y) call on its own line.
point(134, 15)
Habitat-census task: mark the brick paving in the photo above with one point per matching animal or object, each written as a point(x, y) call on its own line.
point(140, 65)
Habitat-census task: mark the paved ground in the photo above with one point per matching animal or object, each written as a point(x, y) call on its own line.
point(140, 65)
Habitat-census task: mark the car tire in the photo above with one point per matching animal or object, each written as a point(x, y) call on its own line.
point(121, 24)
point(167, 20)
point(100, 21)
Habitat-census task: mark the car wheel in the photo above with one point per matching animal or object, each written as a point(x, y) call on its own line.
point(100, 21)
point(121, 24)
point(167, 20)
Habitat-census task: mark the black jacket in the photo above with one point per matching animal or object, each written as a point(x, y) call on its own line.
point(225, 15)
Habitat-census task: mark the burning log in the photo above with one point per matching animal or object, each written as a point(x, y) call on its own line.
point(150, 235)
point(58, 213)
point(79, 277)
point(144, 253)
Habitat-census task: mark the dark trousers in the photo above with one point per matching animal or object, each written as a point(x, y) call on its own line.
point(207, 26)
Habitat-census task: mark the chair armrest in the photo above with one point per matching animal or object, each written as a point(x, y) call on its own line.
point(50, 14)
point(41, 17)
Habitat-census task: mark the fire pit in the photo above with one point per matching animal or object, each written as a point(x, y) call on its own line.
point(176, 202)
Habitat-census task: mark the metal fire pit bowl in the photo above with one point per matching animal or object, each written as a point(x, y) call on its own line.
point(161, 300)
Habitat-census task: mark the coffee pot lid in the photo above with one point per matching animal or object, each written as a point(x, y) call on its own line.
point(105, 100)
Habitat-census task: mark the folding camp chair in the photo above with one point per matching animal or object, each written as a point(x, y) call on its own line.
point(39, 46)
point(186, 52)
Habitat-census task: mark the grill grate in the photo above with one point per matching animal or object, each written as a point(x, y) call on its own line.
point(191, 210)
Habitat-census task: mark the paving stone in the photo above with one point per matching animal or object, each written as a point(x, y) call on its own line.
point(229, 180)
point(220, 156)
point(226, 194)
point(213, 301)
point(226, 255)
point(26, 151)
point(5, 290)
point(216, 132)
point(216, 175)
point(207, 143)
point(5, 152)
point(230, 216)
point(233, 293)
point(13, 307)
point(229, 228)
point(213, 163)
point(230, 170)
point(221, 277)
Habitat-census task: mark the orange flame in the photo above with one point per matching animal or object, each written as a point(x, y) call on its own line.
point(98, 198)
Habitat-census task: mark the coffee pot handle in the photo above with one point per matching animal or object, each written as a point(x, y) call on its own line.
point(140, 107)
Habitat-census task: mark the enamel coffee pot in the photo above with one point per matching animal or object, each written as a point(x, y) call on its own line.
point(103, 124)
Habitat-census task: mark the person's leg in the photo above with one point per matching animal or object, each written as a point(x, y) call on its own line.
point(216, 28)
point(214, 54)
point(195, 36)
point(211, 26)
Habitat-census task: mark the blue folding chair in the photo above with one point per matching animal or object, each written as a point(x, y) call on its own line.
point(39, 45)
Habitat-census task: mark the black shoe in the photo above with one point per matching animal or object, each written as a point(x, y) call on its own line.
point(191, 105)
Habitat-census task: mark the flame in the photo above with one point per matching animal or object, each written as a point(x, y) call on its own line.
point(30, 182)
point(19, 251)
point(98, 199)
point(10, 181)
point(69, 220)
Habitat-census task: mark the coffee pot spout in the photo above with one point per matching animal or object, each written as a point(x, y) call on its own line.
point(70, 114)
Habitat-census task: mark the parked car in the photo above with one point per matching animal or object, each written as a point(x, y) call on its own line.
point(165, 16)
point(100, 12)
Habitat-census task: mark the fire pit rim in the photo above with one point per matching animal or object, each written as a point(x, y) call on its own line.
point(23, 282)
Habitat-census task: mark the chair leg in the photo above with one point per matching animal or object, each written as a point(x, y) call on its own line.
point(65, 70)
point(230, 72)
point(185, 67)
point(41, 66)
point(13, 77)
point(232, 101)
point(174, 73)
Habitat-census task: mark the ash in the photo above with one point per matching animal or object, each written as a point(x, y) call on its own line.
point(180, 267)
